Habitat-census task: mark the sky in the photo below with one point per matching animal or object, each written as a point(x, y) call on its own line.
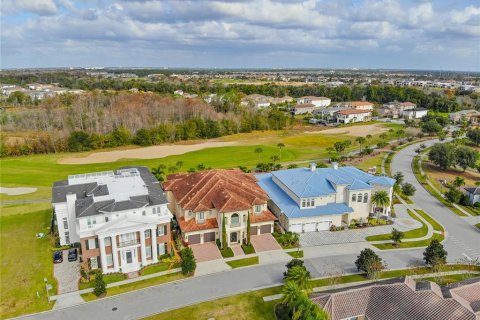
point(407, 34)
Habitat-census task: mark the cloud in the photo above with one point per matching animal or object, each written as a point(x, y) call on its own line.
point(40, 7)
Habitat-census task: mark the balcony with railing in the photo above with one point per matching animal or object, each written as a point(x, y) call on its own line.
point(128, 243)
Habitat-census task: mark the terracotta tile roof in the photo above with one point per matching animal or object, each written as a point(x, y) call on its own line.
point(264, 216)
point(352, 111)
point(408, 103)
point(191, 225)
point(304, 106)
point(404, 302)
point(360, 103)
point(224, 190)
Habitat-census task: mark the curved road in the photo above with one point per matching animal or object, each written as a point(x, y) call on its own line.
point(462, 238)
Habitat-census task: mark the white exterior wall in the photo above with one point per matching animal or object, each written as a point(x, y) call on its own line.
point(321, 103)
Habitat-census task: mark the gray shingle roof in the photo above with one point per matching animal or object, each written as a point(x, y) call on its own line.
point(85, 205)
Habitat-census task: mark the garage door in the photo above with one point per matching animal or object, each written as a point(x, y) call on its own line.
point(209, 237)
point(310, 227)
point(253, 230)
point(266, 228)
point(194, 239)
point(296, 227)
point(324, 225)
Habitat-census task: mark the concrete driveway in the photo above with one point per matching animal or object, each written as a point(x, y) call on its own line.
point(206, 252)
point(264, 242)
point(67, 274)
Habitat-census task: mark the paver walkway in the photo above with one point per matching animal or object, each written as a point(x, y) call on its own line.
point(403, 222)
point(206, 252)
point(237, 250)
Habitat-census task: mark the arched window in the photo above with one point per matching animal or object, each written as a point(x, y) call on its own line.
point(354, 197)
point(359, 197)
point(365, 198)
point(235, 218)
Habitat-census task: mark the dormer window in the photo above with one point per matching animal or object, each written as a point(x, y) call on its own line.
point(308, 203)
point(201, 217)
point(258, 209)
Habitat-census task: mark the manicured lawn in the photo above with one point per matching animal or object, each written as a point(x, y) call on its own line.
point(243, 262)
point(444, 280)
point(12, 209)
point(415, 233)
point(26, 260)
point(436, 226)
point(109, 278)
point(245, 306)
point(411, 244)
point(296, 254)
point(159, 267)
point(137, 285)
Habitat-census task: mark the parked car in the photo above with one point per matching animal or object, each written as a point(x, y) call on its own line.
point(72, 254)
point(58, 257)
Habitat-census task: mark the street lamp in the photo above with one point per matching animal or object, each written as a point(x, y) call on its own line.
point(47, 288)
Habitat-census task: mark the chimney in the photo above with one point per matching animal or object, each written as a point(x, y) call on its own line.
point(335, 165)
point(313, 166)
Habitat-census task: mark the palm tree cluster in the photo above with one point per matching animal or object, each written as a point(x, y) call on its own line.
point(295, 293)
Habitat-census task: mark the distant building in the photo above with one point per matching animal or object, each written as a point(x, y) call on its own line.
point(178, 92)
point(457, 116)
point(316, 101)
point(352, 115)
point(359, 105)
point(417, 113)
point(303, 108)
point(473, 194)
point(258, 100)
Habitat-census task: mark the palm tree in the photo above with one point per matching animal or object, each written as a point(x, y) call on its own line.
point(380, 199)
point(361, 141)
point(258, 151)
point(172, 169)
point(159, 172)
point(458, 182)
point(300, 276)
point(291, 293)
point(274, 158)
point(398, 178)
point(280, 146)
point(396, 237)
point(179, 164)
point(383, 136)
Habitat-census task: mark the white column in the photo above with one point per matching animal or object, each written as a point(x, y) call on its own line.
point(142, 248)
point(116, 265)
point(103, 255)
point(154, 245)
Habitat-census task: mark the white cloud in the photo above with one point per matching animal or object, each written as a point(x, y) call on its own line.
point(40, 7)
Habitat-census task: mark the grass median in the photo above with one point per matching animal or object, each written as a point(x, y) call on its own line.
point(411, 234)
point(410, 244)
point(243, 262)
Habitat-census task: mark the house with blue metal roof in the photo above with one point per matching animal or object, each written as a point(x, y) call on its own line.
point(314, 199)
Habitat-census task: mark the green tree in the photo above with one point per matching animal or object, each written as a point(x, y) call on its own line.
point(281, 146)
point(396, 237)
point(99, 286)
point(435, 254)
point(408, 189)
point(474, 136)
point(361, 141)
point(249, 231)
point(442, 154)
point(188, 263)
point(453, 195)
point(466, 157)
point(431, 127)
point(301, 276)
point(172, 169)
point(369, 262)
point(224, 232)
point(383, 136)
point(458, 182)
point(79, 141)
point(381, 199)
point(398, 176)
point(258, 151)
point(291, 294)
point(274, 158)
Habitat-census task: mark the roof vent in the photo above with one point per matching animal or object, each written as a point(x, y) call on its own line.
point(335, 165)
point(313, 166)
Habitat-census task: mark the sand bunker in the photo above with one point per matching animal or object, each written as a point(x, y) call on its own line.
point(153, 152)
point(356, 131)
point(16, 191)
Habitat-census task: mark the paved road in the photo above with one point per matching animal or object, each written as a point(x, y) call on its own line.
point(462, 238)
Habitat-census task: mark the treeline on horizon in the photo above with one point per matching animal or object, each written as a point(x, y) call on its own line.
point(98, 120)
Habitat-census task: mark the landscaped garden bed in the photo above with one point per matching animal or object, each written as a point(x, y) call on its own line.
point(287, 240)
point(248, 248)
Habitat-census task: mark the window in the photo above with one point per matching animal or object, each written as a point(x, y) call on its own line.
point(162, 230)
point(148, 252)
point(161, 248)
point(67, 237)
point(148, 233)
point(106, 219)
point(359, 199)
point(65, 223)
point(91, 244)
point(365, 198)
point(201, 216)
point(93, 263)
point(109, 260)
point(258, 208)
point(153, 210)
point(312, 202)
point(158, 209)
point(89, 223)
point(143, 213)
point(304, 202)
point(128, 237)
point(108, 241)
point(354, 197)
point(244, 218)
point(235, 218)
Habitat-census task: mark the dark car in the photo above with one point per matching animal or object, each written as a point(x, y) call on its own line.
point(72, 254)
point(57, 257)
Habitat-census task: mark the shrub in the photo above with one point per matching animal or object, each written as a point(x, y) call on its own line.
point(369, 262)
point(188, 263)
point(99, 286)
point(435, 254)
point(227, 252)
point(408, 189)
point(248, 249)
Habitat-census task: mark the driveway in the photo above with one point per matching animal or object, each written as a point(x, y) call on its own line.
point(206, 252)
point(403, 222)
point(264, 242)
point(67, 274)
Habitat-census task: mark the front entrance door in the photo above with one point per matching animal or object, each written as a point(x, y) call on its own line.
point(233, 237)
point(128, 256)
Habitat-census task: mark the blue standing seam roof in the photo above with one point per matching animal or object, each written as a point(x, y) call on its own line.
point(290, 208)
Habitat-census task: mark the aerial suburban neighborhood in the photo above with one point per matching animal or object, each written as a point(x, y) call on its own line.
point(239, 160)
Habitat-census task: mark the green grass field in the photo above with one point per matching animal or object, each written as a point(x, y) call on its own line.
point(26, 260)
point(296, 254)
point(243, 262)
